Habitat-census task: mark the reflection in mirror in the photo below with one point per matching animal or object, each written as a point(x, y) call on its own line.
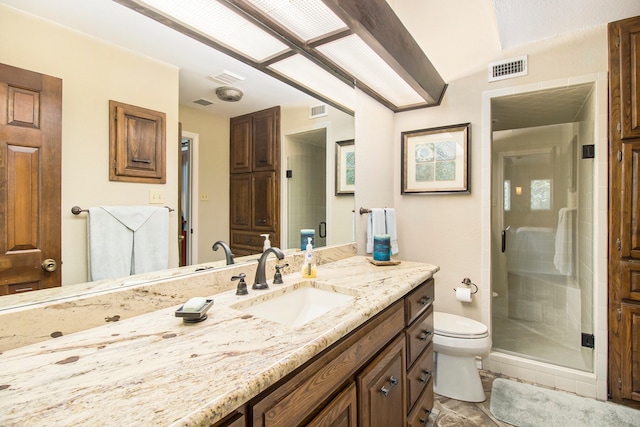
point(136, 71)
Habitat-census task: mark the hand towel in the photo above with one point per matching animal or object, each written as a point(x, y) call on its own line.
point(125, 240)
point(390, 220)
point(375, 225)
point(563, 257)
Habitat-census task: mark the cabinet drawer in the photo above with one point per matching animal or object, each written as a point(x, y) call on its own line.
point(418, 301)
point(420, 413)
point(419, 335)
point(419, 375)
point(247, 239)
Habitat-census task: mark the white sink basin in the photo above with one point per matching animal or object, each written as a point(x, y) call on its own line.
point(296, 306)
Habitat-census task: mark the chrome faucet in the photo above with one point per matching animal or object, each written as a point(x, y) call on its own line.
point(261, 275)
point(226, 248)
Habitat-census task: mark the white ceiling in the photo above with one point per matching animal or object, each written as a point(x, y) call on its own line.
point(459, 36)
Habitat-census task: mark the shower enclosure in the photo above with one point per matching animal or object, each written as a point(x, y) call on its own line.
point(542, 228)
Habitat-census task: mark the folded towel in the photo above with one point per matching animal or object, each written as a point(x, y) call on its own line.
point(563, 257)
point(376, 225)
point(126, 240)
point(390, 221)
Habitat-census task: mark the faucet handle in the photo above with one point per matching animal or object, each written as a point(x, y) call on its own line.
point(277, 278)
point(242, 285)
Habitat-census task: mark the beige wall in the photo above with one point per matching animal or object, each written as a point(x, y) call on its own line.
point(213, 179)
point(93, 73)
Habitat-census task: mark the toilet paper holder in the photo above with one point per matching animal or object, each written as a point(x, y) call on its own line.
point(468, 282)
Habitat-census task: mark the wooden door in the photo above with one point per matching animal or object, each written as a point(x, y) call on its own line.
point(30, 168)
point(624, 212)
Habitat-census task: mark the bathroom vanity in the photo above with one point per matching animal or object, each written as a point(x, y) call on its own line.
point(364, 362)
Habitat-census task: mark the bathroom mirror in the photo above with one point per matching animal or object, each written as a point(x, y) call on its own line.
point(87, 160)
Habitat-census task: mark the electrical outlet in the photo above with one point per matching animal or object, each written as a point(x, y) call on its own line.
point(156, 196)
point(204, 197)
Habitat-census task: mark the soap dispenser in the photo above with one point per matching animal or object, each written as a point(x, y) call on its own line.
point(309, 269)
point(267, 242)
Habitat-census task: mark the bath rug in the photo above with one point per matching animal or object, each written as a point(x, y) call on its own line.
point(526, 405)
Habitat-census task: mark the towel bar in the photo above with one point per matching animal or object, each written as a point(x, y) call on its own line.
point(76, 210)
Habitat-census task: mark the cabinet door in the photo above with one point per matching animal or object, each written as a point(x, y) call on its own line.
point(340, 412)
point(629, 45)
point(381, 388)
point(630, 332)
point(240, 201)
point(240, 149)
point(265, 201)
point(266, 140)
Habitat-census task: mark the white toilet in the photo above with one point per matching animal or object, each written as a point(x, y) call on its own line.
point(457, 341)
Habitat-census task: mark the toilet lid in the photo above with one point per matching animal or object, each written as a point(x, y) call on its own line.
point(452, 325)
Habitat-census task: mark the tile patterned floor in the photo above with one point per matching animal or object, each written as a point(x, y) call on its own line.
point(454, 413)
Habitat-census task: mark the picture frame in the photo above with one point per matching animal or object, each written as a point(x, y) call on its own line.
point(436, 160)
point(345, 167)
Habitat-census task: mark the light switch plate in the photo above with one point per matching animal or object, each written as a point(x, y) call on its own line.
point(156, 196)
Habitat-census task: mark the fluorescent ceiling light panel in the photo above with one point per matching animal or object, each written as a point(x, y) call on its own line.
point(303, 71)
point(308, 19)
point(219, 23)
point(356, 57)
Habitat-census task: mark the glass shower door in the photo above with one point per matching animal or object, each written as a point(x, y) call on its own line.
point(540, 306)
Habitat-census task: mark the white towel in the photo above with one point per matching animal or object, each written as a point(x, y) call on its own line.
point(375, 226)
point(390, 220)
point(563, 257)
point(126, 240)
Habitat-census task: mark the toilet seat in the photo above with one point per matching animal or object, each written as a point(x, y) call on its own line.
point(454, 326)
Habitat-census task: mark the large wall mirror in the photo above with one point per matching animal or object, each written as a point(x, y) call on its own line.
point(130, 58)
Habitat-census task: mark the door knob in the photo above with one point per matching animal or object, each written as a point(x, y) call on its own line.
point(49, 265)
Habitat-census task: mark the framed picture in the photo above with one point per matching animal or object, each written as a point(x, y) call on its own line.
point(436, 160)
point(345, 167)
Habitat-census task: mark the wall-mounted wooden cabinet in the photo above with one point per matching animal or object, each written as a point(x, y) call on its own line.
point(624, 211)
point(136, 144)
point(255, 180)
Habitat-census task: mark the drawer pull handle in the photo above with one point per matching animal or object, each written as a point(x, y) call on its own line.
point(425, 300)
point(393, 381)
point(424, 335)
point(385, 391)
point(424, 377)
point(424, 420)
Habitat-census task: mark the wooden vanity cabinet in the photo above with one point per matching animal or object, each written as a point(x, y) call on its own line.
point(378, 375)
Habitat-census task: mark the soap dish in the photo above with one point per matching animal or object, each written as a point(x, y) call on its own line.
point(194, 316)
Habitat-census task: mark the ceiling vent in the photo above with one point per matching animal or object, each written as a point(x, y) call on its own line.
point(203, 102)
point(318, 111)
point(507, 69)
point(226, 77)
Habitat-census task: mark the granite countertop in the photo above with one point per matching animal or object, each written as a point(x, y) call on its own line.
point(153, 369)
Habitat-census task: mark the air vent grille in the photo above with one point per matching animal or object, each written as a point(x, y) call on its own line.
point(226, 77)
point(508, 69)
point(202, 101)
point(317, 111)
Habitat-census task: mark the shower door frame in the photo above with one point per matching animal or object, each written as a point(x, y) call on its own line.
point(590, 384)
